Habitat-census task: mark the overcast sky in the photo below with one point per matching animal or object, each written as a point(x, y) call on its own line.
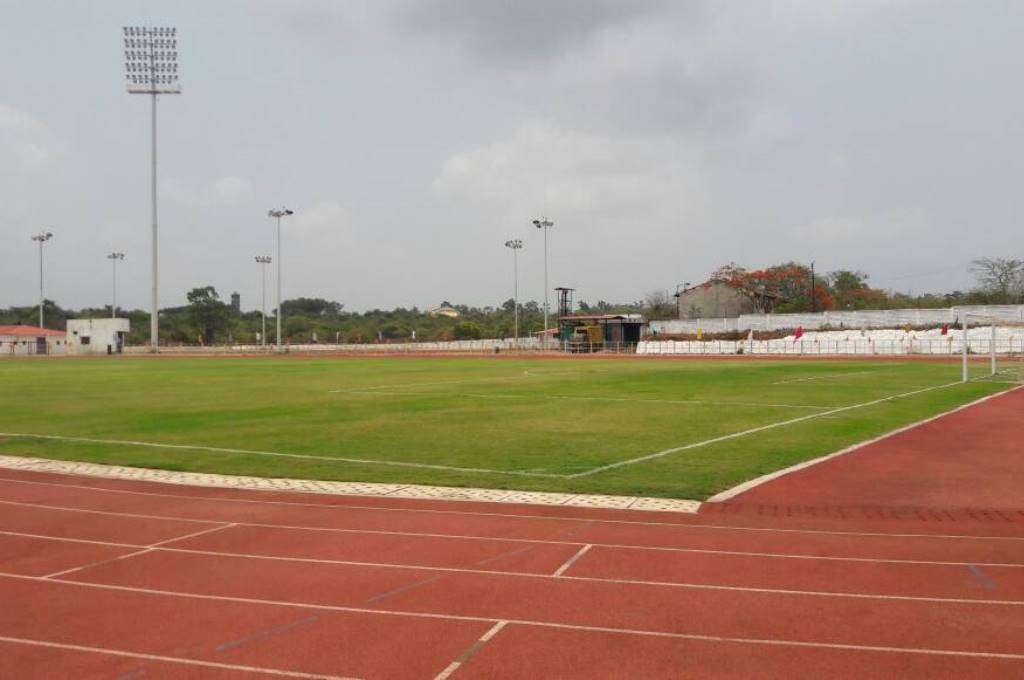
point(413, 138)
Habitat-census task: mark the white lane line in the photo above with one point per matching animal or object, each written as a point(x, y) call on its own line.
point(169, 659)
point(559, 575)
point(72, 570)
point(610, 546)
point(278, 454)
point(572, 560)
point(679, 525)
point(754, 430)
point(748, 485)
point(523, 622)
point(473, 649)
point(193, 534)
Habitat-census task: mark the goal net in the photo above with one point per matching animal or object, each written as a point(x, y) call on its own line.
point(991, 348)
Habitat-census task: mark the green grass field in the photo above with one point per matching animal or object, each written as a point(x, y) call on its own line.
point(538, 424)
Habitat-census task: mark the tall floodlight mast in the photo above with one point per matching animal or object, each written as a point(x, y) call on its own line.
point(42, 237)
point(114, 257)
point(516, 245)
point(277, 215)
point(544, 224)
point(263, 261)
point(151, 67)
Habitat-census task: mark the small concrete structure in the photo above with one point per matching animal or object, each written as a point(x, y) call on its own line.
point(31, 340)
point(96, 336)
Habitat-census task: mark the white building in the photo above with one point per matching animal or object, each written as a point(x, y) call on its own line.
point(26, 340)
point(96, 336)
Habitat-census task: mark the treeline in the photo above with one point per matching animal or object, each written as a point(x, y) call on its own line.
point(207, 320)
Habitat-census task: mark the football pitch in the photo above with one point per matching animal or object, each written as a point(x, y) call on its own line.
point(683, 429)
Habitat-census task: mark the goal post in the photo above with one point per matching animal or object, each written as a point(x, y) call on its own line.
point(994, 324)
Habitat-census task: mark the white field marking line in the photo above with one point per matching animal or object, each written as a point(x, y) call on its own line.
point(735, 435)
point(170, 659)
point(303, 456)
point(572, 560)
point(368, 388)
point(830, 376)
point(677, 525)
point(610, 546)
point(473, 649)
point(559, 575)
point(687, 402)
point(748, 485)
point(521, 622)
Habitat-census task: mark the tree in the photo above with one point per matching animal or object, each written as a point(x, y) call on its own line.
point(467, 330)
point(658, 304)
point(209, 314)
point(1000, 276)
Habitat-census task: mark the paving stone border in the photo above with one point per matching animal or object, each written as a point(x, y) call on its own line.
point(446, 493)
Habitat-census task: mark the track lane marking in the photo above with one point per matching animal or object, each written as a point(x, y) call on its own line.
point(470, 651)
point(527, 622)
point(572, 560)
point(538, 541)
point(170, 659)
point(469, 513)
point(560, 575)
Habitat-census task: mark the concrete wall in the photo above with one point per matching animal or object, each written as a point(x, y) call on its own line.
point(96, 336)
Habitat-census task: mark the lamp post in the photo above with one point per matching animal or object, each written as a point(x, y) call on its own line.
point(277, 215)
point(515, 245)
point(544, 224)
point(263, 260)
point(114, 257)
point(42, 237)
point(151, 67)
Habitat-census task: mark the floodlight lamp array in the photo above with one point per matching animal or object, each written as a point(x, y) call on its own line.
point(264, 259)
point(115, 256)
point(514, 244)
point(151, 59)
point(43, 236)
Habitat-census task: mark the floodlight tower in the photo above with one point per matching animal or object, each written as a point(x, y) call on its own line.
point(42, 237)
point(263, 261)
point(278, 214)
point(114, 257)
point(515, 245)
point(544, 224)
point(151, 67)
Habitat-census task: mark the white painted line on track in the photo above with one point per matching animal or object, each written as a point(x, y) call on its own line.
point(278, 454)
point(584, 519)
point(754, 430)
point(572, 560)
point(194, 534)
point(748, 485)
point(558, 575)
point(169, 659)
point(610, 546)
point(473, 649)
point(523, 622)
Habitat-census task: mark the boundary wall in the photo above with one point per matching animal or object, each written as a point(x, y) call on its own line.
point(868, 318)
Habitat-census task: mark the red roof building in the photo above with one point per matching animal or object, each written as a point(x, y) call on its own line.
point(24, 340)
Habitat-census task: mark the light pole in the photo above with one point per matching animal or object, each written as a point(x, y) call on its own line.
point(264, 260)
point(42, 237)
point(151, 67)
point(278, 214)
point(516, 245)
point(544, 224)
point(114, 257)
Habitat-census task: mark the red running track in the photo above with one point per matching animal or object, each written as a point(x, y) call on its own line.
point(118, 579)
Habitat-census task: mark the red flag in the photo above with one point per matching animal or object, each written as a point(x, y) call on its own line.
point(945, 329)
point(799, 332)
